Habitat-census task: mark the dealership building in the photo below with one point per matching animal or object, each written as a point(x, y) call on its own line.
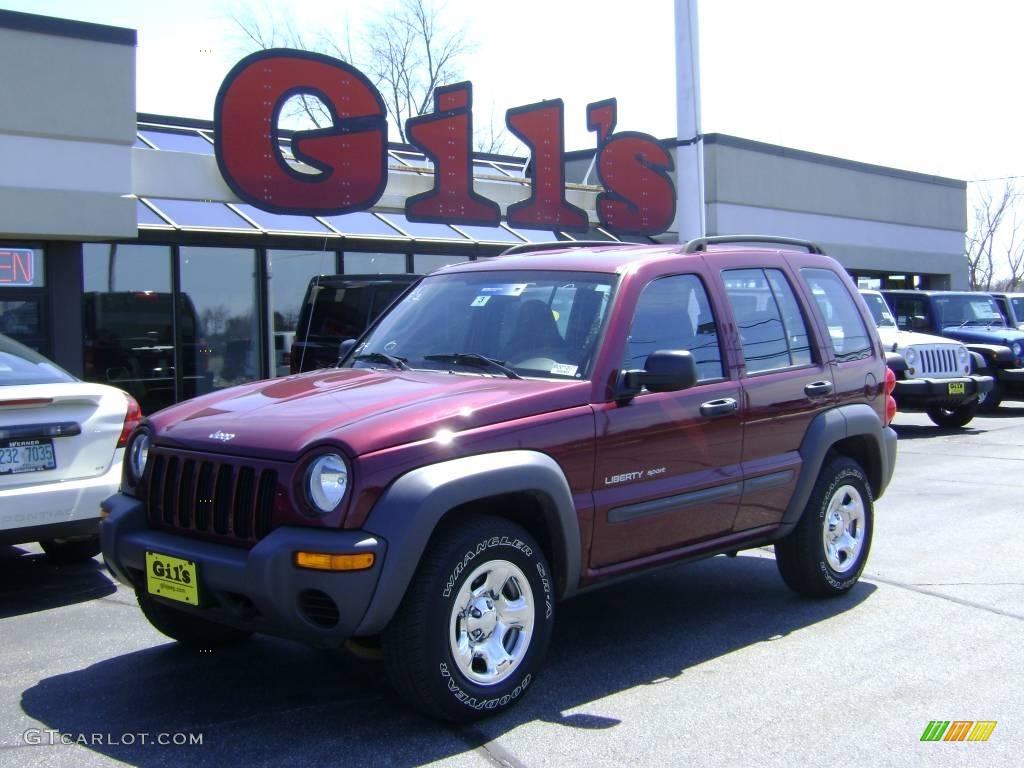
point(110, 219)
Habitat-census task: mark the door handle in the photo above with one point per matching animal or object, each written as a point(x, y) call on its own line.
point(818, 388)
point(722, 407)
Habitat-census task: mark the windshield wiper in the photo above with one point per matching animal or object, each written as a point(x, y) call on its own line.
point(473, 360)
point(397, 363)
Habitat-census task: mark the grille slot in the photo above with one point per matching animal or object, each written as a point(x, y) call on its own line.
point(204, 496)
point(219, 500)
point(222, 499)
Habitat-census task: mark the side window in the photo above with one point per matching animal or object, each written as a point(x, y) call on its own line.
point(847, 333)
point(674, 313)
point(772, 331)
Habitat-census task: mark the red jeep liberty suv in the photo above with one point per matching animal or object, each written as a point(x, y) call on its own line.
point(511, 431)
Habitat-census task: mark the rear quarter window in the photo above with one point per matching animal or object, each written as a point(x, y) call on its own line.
point(847, 334)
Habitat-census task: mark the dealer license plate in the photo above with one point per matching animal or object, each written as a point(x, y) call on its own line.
point(172, 578)
point(956, 388)
point(26, 456)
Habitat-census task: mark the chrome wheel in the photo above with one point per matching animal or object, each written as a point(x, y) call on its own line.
point(844, 528)
point(492, 622)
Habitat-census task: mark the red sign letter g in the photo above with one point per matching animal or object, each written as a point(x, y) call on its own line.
point(349, 157)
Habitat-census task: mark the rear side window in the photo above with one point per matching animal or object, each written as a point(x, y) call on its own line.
point(674, 313)
point(847, 333)
point(772, 331)
point(21, 365)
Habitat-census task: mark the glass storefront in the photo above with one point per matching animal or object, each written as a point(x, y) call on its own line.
point(128, 321)
point(289, 275)
point(219, 340)
point(169, 322)
point(374, 263)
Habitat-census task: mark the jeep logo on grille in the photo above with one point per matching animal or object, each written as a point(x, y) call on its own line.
point(222, 436)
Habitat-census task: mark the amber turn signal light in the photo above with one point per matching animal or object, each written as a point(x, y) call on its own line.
point(322, 561)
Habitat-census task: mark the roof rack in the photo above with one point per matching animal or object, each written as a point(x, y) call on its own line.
point(559, 244)
point(701, 243)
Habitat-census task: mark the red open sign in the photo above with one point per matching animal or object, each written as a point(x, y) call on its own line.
point(17, 266)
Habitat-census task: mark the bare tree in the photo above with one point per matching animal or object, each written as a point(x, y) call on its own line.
point(260, 31)
point(992, 236)
point(407, 53)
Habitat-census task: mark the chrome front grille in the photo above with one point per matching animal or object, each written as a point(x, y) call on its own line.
point(215, 498)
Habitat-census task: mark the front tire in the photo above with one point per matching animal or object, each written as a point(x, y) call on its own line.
point(475, 622)
point(190, 631)
point(69, 551)
point(953, 418)
point(826, 552)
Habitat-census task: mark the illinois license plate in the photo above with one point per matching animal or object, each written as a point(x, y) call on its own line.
point(172, 578)
point(26, 456)
point(956, 388)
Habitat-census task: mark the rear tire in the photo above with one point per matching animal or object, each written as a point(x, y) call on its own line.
point(989, 401)
point(191, 631)
point(475, 622)
point(826, 552)
point(69, 551)
point(953, 418)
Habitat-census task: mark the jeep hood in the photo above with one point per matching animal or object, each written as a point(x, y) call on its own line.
point(893, 339)
point(982, 334)
point(362, 410)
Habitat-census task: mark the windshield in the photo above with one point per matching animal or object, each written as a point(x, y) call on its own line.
point(968, 310)
point(538, 324)
point(1018, 308)
point(879, 310)
point(21, 365)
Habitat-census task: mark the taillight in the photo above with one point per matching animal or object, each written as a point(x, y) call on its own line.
point(132, 417)
point(890, 401)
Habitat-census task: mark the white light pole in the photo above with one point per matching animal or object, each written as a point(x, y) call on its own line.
point(690, 155)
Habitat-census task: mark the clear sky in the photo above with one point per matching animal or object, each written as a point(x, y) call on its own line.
point(923, 85)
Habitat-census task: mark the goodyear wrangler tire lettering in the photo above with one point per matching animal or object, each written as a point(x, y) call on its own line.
point(475, 623)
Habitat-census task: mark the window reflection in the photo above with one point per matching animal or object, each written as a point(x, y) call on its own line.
point(127, 321)
point(218, 330)
point(374, 263)
point(290, 273)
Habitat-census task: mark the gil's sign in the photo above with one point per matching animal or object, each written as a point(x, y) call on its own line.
point(349, 158)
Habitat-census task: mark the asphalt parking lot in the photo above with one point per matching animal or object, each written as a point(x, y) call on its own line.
point(715, 663)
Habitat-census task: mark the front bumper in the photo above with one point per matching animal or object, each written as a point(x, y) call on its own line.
point(1010, 379)
point(913, 394)
point(258, 589)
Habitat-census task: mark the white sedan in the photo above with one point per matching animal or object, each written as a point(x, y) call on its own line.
point(61, 445)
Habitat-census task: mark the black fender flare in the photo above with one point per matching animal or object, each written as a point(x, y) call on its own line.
point(896, 363)
point(995, 356)
point(409, 511)
point(826, 430)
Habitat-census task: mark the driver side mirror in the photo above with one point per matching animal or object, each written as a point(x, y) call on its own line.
point(919, 323)
point(664, 371)
point(344, 348)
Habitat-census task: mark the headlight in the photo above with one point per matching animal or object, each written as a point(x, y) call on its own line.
point(961, 355)
point(138, 452)
point(1016, 348)
point(326, 482)
point(910, 355)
